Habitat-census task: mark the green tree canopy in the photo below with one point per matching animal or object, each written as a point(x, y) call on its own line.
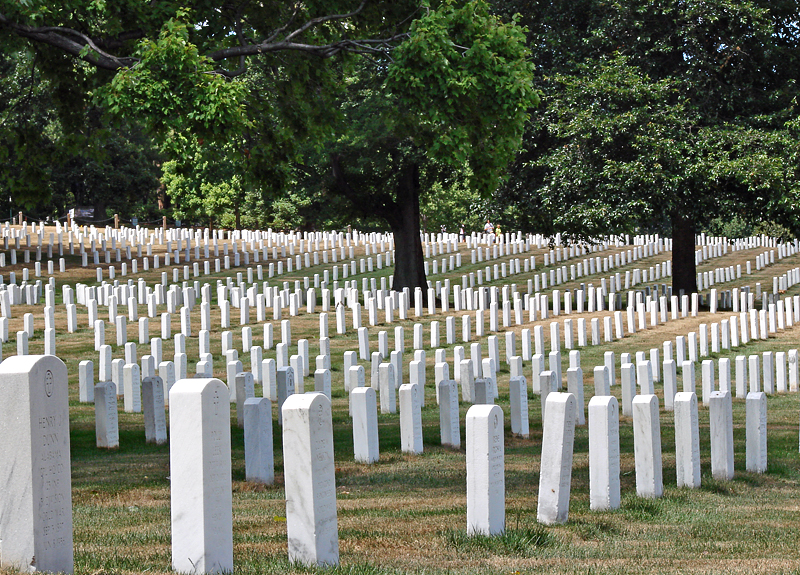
point(448, 109)
point(661, 116)
point(443, 91)
point(49, 166)
point(256, 75)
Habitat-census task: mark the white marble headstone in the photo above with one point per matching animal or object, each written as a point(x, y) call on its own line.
point(258, 451)
point(449, 425)
point(388, 392)
point(245, 389)
point(604, 461)
point(410, 419)
point(200, 476)
point(555, 473)
point(155, 423)
point(363, 403)
point(720, 423)
point(647, 446)
point(36, 499)
point(518, 402)
point(756, 431)
point(485, 470)
point(311, 522)
point(106, 420)
point(687, 440)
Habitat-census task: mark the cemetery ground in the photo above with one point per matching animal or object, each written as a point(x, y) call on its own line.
point(407, 513)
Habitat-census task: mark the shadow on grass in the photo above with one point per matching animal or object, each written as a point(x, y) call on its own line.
point(720, 487)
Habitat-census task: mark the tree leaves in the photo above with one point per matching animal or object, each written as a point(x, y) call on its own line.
point(463, 85)
point(654, 108)
point(173, 88)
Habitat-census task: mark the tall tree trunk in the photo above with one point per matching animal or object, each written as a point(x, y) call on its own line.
point(409, 263)
point(402, 215)
point(684, 268)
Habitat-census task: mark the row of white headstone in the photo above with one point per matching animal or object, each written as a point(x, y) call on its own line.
point(36, 510)
point(47, 372)
point(180, 296)
point(562, 415)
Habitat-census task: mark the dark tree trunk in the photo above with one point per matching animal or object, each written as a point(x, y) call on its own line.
point(402, 215)
point(99, 211)
point(684, 269)
point(409, 263)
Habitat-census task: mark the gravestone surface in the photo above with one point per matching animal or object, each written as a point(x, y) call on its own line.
point(86, 381)
point(689, 381)
point(555, 474)
point(707, 379)
point(357, 379)
point(155, 422)
point(604, 465)
point(106, 420)
point(311, 522)
point(232, 368)
point(388, 393)
point(245, 389)
point(647, 446)
point(769, 372)
point(670, 383)
point(36, 499)
point(518, 402)
point(258, 452)
point(322, 381)
point(756, 432)
point(466, 380)
point(602, 387)
point(644, 376)
point(284, 388)
point(416, 371)
point(200, 476)
point(575, 387)
point(741, 376)
point(449, 425)
point(485, 470)
point(609, 362)
point(720, 423)
point(548, 385)
point(410, 419)
point(363, 403)
point(132, 402)
point(269, 374)
point(628, 384)
point(482, 391)
point(687, 440)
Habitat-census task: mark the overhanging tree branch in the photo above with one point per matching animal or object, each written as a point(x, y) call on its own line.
point(94, 50)
point(70, 41)
point(380, 46)
point(321, 19)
